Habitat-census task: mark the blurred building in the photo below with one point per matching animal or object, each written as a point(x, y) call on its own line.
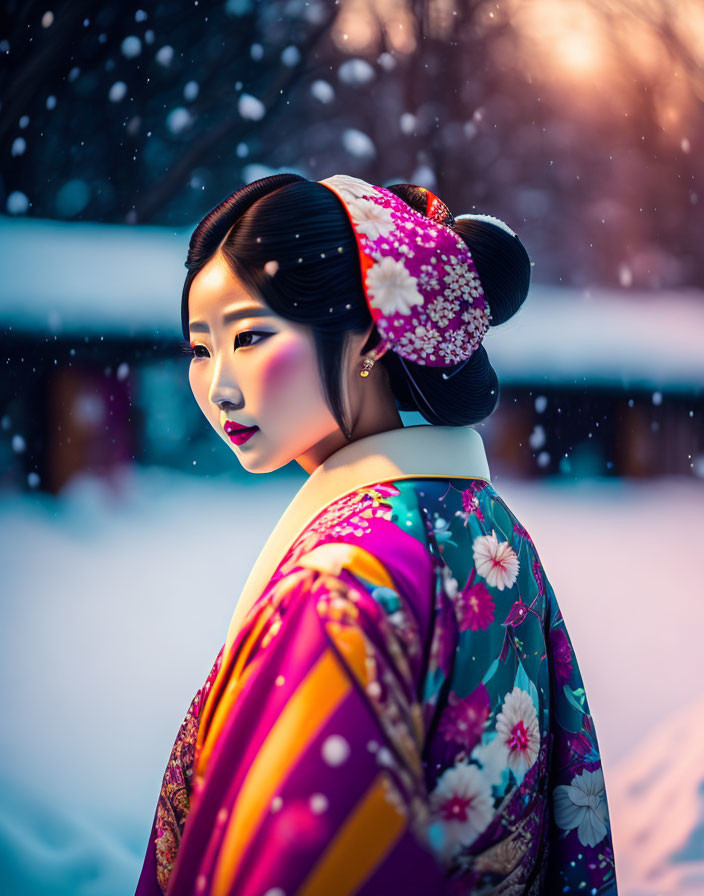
point(593, 382)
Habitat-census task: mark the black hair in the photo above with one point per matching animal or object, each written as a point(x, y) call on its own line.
point(302, 225)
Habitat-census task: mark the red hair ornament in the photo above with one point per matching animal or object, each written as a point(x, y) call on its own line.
point(420, 281)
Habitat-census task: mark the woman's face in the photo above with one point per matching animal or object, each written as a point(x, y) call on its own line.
point(254, 368)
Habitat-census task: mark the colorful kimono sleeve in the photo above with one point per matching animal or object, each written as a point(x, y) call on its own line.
point(515, 785)
point(307, 776)
point(581, 853)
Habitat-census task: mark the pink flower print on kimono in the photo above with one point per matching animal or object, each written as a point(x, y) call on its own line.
point(495, 561)
point(471, 503)
point(463, 721)
point(518, 732)
point(348, 516)
point(462, 806)
point(475, 607)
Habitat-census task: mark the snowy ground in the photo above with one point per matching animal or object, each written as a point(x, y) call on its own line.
point(115, 607)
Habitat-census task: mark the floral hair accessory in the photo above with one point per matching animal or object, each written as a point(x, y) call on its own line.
point(420, 281)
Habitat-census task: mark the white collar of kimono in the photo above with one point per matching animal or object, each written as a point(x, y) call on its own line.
point(422, 451)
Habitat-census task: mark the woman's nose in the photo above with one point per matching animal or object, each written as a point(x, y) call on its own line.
point(224, 391)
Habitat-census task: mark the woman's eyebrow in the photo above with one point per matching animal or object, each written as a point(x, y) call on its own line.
point(230, 316)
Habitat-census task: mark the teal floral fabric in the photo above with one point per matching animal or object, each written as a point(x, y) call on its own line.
point(512, 762)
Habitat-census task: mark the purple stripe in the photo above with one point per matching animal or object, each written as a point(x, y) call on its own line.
point(410, 869)
point(409, 565)
point(147, 884)
point(289, 842)
point(292, 653)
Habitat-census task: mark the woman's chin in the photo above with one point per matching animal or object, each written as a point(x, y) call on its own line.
point(258, 461)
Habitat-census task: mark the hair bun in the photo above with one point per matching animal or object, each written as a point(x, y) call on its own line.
point(491, 219)
point(417, 197)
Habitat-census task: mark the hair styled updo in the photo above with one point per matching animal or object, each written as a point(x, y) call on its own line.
point(303, 227)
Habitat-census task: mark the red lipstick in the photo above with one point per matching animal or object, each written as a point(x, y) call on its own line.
point(237, 433)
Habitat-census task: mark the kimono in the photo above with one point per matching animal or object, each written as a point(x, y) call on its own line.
point(397, 708)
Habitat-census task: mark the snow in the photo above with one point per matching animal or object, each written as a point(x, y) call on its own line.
point(116, 601)
point(190, 91)
point(322, 91)
point(491, 219)
point(408, 123)
point(291, 55)
point(605, 336)
point(178, 120)
point(17, 203)
point(250, 107)
point(355, 72)
point(165, 55)
point(93, 277)
point(424, 176)
point(128, 280)
point(358, 144)
point(663, 779)
point(117, 92)
point(131, 46)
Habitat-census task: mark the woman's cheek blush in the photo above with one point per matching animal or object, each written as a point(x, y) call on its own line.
point(284, 370)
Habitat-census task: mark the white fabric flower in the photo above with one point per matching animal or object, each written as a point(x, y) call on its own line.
point(492, 756)
point(518, 731)
point(495, 561)
point(581, 804)
point(351, 187)
point(450, 583)
point(391, 288)
point(462, 805)
point(371, 219)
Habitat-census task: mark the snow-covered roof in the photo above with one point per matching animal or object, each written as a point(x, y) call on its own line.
point(635, 338)
point(120, 281)
point(68, 278)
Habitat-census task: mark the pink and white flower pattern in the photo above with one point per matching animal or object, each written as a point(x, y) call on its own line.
point(353, 187)
point(408, 260)
point(462, 805)
point(518, 730)
point(373, 220)
point(391, 288)
point(496, 561)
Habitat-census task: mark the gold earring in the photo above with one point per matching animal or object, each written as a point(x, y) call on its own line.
point(367, 365)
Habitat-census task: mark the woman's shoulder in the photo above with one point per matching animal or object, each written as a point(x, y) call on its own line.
point(420, 517)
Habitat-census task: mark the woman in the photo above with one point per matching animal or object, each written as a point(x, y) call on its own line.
point(397, 707)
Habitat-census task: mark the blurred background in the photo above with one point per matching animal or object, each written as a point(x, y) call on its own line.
point(127, 527)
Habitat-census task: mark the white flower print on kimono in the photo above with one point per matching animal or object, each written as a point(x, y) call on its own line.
point(581, 804)
point(462, 807)
point(391, 288)
point(496, 561)
point(519, 731)
point(352, 187)
point(371, 219)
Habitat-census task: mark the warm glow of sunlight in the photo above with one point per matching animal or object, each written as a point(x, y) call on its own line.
point(359, 23)
point(563, 38)
point(577, 52)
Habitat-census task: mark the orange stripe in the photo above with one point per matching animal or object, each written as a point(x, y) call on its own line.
point(219, 707)
point(316, 698)
point(332, 556)
point(367, 836)
point(351, 644)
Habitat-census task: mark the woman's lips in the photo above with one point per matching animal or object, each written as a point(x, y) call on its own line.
point(239, 434)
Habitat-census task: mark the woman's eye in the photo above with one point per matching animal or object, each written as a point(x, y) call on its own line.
point(244, 339)
point(200, 351)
